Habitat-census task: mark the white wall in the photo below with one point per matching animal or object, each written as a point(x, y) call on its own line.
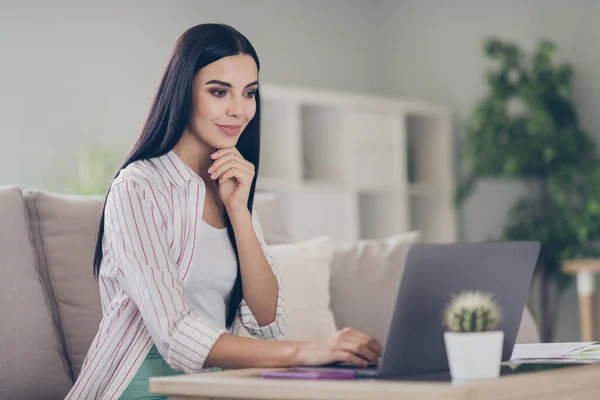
point(436, 54)
point(79, 73)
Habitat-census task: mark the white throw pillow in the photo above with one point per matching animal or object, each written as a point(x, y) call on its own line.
point(364, 279)
point(304, 270)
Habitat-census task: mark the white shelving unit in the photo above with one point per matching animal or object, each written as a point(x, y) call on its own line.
point(355, 167)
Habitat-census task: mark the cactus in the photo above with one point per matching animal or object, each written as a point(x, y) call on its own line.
point(472, 311)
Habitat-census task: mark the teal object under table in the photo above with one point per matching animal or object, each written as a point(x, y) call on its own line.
point(153, 365)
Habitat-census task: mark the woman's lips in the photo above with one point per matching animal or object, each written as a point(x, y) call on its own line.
point(230, 130)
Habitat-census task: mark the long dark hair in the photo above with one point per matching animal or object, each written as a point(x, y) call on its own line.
point(168, 116)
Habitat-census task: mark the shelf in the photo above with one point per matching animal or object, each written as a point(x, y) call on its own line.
point(323, 150)
point(277, 184)
point(429, 150)
point(272, 183)
point(434, 217)
point(360, 101)
point(423, 190)
point(280, 132)
point(355, 166)
point(382, 214)
point(381, 188)
point(375, 149)
point(351, 147)
point(314, 213)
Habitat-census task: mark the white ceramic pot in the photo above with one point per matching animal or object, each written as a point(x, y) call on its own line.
point(474, 355)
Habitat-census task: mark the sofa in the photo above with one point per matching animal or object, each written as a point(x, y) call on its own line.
point(50, 300)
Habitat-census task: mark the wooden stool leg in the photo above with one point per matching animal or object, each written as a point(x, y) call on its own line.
point(585, 292)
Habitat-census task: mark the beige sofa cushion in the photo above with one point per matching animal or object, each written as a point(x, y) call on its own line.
point(32, 366)
point(304, 269)
point(364, 276)
point(64, 230)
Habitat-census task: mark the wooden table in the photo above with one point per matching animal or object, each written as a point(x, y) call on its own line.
point(584, 270)
point(580, 382)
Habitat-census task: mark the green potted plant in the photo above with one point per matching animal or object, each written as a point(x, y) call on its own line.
point(95, 171)
point(473, 346)
point(527, 128)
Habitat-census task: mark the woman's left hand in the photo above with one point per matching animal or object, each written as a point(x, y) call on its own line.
point(235, 176)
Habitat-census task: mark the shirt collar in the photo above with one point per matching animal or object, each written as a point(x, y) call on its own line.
point(174, 168)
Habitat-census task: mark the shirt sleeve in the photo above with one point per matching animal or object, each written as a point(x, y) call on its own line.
point(149, 275)
point(276, 329)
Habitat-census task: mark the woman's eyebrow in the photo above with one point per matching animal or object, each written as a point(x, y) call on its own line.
point(218, 82)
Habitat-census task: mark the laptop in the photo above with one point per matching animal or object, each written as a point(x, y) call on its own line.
point(433, 273)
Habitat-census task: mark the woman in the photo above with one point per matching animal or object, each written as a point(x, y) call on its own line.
point(179, 255)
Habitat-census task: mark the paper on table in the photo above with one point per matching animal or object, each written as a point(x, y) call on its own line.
point(575, 352)
point(588, 353)
point(546, 350)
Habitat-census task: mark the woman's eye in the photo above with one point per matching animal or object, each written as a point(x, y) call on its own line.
point(218, 93)
point(250, 94)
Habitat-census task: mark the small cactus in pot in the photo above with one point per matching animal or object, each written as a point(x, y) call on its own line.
point(473, 346)
point(472, 311)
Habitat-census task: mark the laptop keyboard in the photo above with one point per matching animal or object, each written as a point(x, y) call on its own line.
point(347, 365)
point(370, 371)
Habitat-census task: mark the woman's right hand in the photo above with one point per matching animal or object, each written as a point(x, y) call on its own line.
point(347, 345)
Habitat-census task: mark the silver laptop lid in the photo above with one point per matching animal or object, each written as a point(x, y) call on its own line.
point(433, 273)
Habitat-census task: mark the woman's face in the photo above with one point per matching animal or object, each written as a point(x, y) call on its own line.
point(223, 100)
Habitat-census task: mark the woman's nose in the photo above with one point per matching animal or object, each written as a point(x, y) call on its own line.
point(235, 107)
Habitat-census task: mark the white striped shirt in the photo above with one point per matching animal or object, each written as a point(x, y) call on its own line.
point(153, 214)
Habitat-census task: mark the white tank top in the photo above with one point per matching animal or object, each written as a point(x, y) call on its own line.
point(213, 275)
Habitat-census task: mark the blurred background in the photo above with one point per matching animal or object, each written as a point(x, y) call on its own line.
point(516, 84)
